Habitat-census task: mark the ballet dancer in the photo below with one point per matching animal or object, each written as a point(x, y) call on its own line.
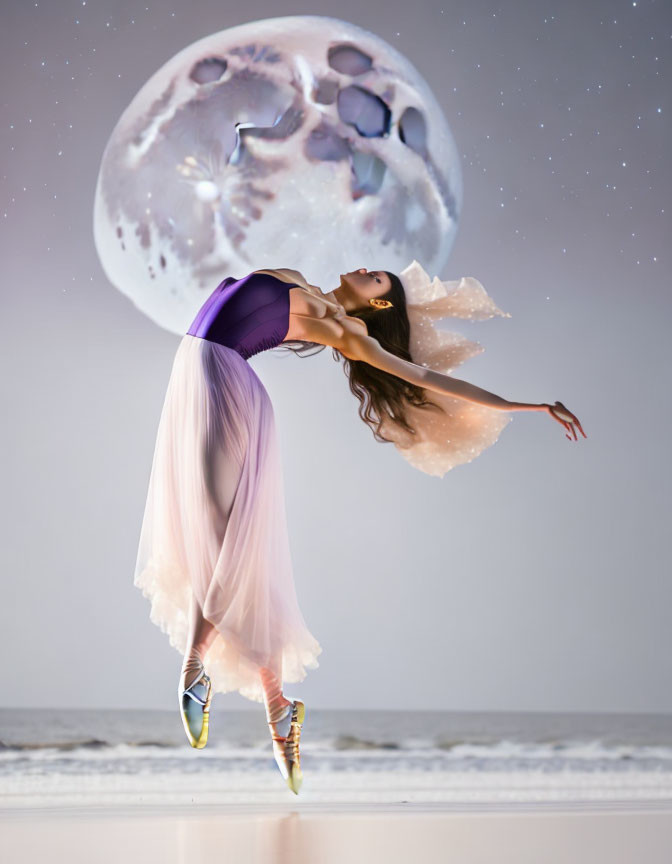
point(213, 556)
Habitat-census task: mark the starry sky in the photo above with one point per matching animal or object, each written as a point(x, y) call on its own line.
point(536, 577)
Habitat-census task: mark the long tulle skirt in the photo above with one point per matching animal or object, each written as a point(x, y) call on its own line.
point(215, 523)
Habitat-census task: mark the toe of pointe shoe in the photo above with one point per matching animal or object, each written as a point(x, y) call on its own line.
point(295, 778)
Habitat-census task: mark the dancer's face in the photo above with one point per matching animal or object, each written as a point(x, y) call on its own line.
point(364, 284)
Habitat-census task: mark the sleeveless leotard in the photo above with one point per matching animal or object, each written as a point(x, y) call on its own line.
point(249, 314)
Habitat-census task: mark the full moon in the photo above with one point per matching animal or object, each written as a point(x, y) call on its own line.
point(302, 141)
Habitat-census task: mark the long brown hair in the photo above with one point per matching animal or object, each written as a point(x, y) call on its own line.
point(379, 392)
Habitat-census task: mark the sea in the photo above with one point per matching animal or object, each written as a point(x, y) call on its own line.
point(54, 758)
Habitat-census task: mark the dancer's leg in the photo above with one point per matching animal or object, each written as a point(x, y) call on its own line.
point(222, 475)
point(202, 633)
point(275, 702)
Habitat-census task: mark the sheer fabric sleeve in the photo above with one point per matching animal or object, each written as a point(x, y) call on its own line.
point(464, 429)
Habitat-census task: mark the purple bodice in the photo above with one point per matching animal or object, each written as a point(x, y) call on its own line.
point(249, 314)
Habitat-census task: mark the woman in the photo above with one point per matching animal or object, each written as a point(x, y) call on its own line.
point(214, 557)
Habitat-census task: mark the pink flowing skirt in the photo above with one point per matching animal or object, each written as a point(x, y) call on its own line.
point(217, 449)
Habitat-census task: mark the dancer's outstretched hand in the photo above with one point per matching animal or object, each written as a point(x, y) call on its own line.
point(564, 415)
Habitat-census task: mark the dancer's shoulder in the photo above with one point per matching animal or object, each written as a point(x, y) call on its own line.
point(286, 275)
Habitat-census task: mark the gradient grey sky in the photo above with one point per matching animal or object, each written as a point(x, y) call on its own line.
point(536, 577)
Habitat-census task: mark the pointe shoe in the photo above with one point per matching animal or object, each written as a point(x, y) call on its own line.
point(195, 709)
point(286, 747)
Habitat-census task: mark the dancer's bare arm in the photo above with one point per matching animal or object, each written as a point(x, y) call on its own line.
point(367, 349)
point(359, 346)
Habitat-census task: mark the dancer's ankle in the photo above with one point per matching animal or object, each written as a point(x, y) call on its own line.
point(276, 707)
point(191, 666)
point(278, 711)
point(275, 702)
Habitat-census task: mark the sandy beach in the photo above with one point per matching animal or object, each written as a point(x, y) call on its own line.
point(92, 787)
point(305, 833)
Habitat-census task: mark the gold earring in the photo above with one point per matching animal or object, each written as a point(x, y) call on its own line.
point(378, 303)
